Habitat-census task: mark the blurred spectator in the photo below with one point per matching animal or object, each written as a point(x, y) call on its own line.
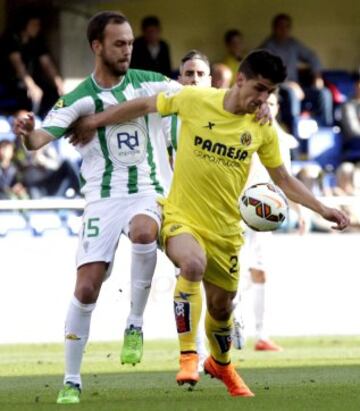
point(316, 98)
point(234, 43)
point(345, 186)
point(150, 52)
point(27, 72)
point(10, 185)
point(350, 114)
point(221, 76)
point(311, 176)
point(43, 172)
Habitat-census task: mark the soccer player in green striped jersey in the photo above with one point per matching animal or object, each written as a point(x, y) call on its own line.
point(120, 181)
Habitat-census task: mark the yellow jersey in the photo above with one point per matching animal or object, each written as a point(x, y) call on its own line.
point(213, 158)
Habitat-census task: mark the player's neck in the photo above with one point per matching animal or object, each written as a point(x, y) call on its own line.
point(105, 79)
point(231, 102)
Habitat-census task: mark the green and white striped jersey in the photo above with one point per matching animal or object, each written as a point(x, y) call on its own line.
point(123, 159)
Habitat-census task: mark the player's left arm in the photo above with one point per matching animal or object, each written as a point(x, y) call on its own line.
point(296, 191)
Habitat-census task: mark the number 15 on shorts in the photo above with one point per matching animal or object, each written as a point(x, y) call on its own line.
point(91, 227)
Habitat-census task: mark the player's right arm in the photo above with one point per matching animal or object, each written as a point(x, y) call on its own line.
point(33, 139)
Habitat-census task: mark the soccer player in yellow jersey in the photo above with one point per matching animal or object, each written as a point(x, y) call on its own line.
point(201, 232)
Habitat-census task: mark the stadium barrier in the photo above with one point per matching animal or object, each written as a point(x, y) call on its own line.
point(312, 288)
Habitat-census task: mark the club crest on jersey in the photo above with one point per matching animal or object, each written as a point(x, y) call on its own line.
point(245, 138)
point(127, 143)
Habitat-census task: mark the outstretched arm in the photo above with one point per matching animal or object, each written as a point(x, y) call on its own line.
point(24, 127)
point(297, 192)
point(84, 129)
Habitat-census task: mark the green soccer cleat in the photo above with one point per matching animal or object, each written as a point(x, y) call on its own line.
point(132, 349)
point(70, 394)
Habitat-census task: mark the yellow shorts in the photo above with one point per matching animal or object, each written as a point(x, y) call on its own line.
point(222, 253)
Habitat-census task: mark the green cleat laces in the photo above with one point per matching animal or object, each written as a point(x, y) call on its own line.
point(70, 394)
point(132, 349)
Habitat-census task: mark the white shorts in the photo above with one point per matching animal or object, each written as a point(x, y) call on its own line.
point(254, 250)
point(105, 220)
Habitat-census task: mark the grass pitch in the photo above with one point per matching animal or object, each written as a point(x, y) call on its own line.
point(311, 374)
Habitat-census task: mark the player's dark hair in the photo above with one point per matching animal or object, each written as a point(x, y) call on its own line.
point(279, 17)
point(195, 54)
point(265, 64)
point(97, 24)
point(230, 34)
point(150, 21)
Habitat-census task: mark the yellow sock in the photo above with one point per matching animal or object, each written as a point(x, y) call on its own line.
point(187, 307)
point(219, 336)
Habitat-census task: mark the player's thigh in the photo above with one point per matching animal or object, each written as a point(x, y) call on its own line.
point(223, 263)
point(254, 254)
point(103, 222)
point(219, 301)
point(185, 252)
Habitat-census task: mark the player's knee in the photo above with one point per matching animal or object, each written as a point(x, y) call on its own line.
point(87, 293)
point(145, 235)
point(193, 268)
point(220, 310)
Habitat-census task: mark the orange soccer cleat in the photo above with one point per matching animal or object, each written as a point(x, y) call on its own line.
point(188, 373)
point(267, 345)
point(228, 375)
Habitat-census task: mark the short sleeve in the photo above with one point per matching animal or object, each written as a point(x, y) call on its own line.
point(59, 120)
point(172, 101)
point(269, 152)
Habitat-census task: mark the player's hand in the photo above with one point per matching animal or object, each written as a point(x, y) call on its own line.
point(24, 126)
point(336, 216)
point(82, 131)
point(263, 115)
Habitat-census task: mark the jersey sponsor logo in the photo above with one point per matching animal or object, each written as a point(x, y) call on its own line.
point(127, 143)
point(245, 138)
point(224, 342)
point(219, 153)
point(182, 316)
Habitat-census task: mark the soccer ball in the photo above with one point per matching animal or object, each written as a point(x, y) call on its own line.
point(263, 207)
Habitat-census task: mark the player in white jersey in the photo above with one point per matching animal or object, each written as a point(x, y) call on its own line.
point(254, 253)
point(120, 182)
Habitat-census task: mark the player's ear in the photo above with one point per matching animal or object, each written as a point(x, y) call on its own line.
point(240, 79)
point(96, 47)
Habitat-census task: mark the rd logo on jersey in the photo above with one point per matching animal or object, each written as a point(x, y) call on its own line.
point(127, 143)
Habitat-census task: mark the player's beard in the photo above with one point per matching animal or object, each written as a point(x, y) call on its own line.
point(114, 67)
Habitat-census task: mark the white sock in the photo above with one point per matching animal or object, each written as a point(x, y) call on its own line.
point(77, 326)
point(143, 262)
point(259, 310)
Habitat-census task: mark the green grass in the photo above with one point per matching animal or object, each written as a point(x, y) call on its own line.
point(311, 374)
